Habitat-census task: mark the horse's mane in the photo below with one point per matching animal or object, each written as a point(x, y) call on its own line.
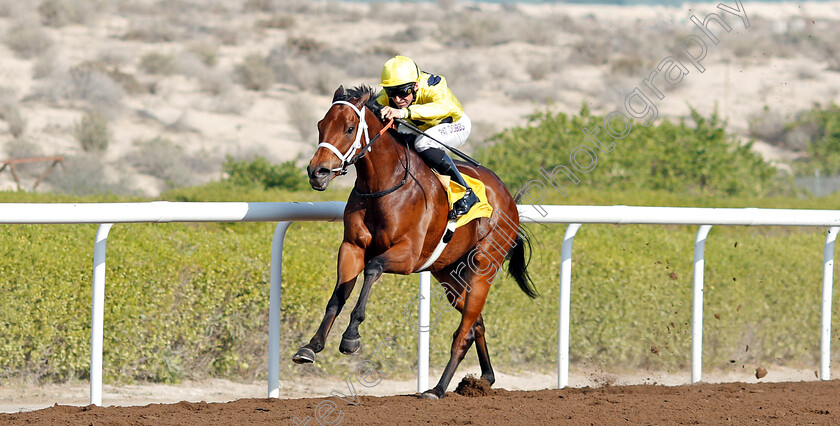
point(359, 91)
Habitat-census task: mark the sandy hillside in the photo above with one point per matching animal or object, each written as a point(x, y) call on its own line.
point(167, 89)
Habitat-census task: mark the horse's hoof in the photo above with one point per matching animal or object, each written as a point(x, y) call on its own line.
point(304, 355)
point(350, 346)
point(429, 394)
point(490, 378)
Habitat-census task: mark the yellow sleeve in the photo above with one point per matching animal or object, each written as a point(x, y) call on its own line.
point(382, 99)
point(435, 103)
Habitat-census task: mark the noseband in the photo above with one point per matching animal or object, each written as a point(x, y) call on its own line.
point(351, 156)
point(347, 158)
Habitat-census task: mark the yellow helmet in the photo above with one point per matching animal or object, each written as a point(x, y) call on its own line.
point(399, 70)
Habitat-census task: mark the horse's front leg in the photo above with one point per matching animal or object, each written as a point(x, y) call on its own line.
point(351, 260)
point(397, 259)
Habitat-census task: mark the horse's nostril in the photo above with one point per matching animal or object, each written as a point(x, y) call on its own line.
point(317, 172)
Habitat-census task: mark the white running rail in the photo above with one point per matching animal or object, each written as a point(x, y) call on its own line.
point(705, 217)
point(107, 214)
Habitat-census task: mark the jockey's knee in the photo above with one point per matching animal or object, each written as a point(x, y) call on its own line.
point(424, 143)
point(432, 156)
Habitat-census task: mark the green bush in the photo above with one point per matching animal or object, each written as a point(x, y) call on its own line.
point(191, 300)
point(282, 22)
point(259, 6)
point(207, 53)
point(301, 116)
point(92, 132)
point(694, 157)
point(261, 172)
point(169, 162)
point(254, 73)
point(152, 30)
point(165, 320)
point(823, 126)
point(157, 63)
point(11, 115)
point(27, 40)
point(88, 86)
point(84, 174)
point(58, 13)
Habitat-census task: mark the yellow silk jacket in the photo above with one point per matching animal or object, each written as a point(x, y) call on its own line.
point(433, 103)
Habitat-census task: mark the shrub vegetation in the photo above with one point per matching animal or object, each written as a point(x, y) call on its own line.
point(263, 173)
point(157, 63)
point(822, 124)
point(169, 162)
point(695, 156)
point(254, 73)
point(92, 132)
point(27, 40)
point(191, 300)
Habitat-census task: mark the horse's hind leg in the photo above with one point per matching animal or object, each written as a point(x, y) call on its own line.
point(478, 331)
point(480, 342)
point(483, 355)
point(463, 337)
point(350, 264)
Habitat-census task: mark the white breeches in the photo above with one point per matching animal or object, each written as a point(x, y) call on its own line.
point(452, 135)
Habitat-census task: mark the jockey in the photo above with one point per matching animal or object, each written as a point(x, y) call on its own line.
point(426, 101)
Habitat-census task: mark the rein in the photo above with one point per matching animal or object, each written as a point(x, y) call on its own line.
point(391, 189)
point(357, 151)
point(367, 147)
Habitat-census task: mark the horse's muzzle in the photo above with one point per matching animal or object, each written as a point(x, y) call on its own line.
point(319, 177)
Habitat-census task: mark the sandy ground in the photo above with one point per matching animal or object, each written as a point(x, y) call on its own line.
point(503, 62)
point(474, 403)
point(26, 397)
point(498, 83)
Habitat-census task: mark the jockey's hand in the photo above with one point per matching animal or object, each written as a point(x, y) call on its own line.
point(388, 113)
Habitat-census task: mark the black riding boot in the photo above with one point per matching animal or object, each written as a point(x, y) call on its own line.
point(441, 163)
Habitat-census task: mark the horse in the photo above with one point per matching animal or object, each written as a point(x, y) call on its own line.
point(395, 217)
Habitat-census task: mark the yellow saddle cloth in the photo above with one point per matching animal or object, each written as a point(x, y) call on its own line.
point(455, 192)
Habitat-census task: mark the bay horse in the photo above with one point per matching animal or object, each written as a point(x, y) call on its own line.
point(395, 217)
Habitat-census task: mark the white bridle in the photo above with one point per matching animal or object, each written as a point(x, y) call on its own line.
point(357, 144)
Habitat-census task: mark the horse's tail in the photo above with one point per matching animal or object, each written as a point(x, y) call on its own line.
point(518, 262)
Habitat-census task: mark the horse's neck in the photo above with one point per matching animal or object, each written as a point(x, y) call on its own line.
point(383, 167)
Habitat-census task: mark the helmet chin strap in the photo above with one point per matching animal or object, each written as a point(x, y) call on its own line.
point(357, 143)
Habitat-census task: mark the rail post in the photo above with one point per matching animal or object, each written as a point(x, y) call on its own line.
point(274, 296)
point(565, 305)
point(828, 281)
point(423, 331)
point(697, 304)
point(97, 316)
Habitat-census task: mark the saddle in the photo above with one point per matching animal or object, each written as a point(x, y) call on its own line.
point(455, 192)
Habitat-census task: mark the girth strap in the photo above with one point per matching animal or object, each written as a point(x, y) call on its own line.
point(444, 241)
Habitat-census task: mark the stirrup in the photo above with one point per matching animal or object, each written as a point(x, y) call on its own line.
point(463, 206)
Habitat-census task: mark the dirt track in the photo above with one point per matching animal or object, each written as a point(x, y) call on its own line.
point(731, 403)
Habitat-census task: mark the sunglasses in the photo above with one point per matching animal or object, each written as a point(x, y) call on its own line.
point(400, 91)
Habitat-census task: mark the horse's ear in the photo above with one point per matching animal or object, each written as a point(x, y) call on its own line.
point(364, 99)
point(340, 92)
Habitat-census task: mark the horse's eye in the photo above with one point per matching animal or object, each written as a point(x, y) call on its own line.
point(349, 130)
